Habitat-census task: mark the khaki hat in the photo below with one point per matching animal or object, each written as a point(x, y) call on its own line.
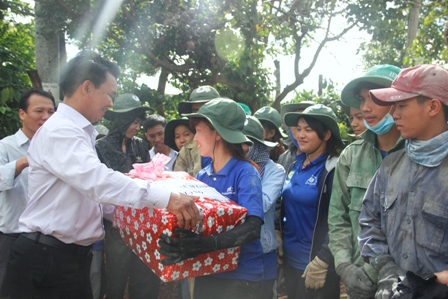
point(253, 129)
point(227, 117)
point(382, 75)
point(201, 94)
point(424, 80)
point(126, 103)
point(320, 112)
point(272, 116)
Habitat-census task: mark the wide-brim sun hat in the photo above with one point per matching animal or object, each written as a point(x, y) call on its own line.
point(382, 75)
point(253, 129)
point(202, 94)
point(126, 104)
point(227, 117)
point(293, 107)
point(272, 116)
point(321, 113)
point(169, 131)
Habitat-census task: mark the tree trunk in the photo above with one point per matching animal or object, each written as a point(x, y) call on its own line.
point(47, 43)
point(414, 13)
point(161, 90)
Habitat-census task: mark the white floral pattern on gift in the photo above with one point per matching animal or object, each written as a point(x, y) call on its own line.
point(216, 267)
point(220, 212)
point(143, 234)
point(175, 275)
point(210, 221)
point(208, 261)
point(197, 266)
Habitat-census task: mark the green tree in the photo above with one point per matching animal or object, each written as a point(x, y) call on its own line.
point(387, 23)
point(16, 58)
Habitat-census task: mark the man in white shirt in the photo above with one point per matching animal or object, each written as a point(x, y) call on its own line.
point(35, 107)
point(67, 184)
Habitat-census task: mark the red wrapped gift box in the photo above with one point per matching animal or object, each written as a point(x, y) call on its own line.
point(140, 229)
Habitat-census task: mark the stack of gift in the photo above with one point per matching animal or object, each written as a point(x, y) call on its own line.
point(140, 228)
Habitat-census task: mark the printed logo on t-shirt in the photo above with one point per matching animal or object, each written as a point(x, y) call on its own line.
point(290, 174)
point(229, 191)
point(312, 180)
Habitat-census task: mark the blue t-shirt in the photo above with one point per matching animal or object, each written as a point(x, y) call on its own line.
point(240, 181)
point(205, 161)
point(300, 201)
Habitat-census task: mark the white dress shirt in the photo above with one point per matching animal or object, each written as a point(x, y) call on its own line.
point(67, 182)
point(13, 190)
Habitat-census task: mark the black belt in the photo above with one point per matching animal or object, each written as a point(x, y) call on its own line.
point(55, 243)
point(15, 235)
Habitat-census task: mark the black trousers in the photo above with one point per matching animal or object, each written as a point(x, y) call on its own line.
point(36, 270)
point(6, 242)
point(123, 265)
point(206, 287)
point(295, 285)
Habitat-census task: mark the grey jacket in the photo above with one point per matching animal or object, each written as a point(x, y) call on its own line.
point(405, 214)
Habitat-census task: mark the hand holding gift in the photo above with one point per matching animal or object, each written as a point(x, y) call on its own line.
point(185, 209)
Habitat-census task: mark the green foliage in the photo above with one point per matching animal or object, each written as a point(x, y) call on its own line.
point(16, 58)
point(386, 21)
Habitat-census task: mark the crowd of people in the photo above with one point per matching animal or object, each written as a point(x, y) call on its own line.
point(371, 215)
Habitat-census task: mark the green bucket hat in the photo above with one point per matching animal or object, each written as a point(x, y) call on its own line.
point(320, 112)
point(382, 75)
point(169, 131)
point(227, 117)
point(293, 107)
point(272, 116)
point(126, 103)
point(253, 129)
point(201, 94)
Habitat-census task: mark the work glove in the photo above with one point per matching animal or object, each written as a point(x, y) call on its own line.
point(414, 286)
point(315, 274)
point(188, 245)
point(357, 283)
point(278, 237)
point(388, 276)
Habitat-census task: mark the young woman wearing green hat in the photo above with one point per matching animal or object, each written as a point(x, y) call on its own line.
point(219, 125)
point(119, 150)
point(272, 179)
point(308, 263)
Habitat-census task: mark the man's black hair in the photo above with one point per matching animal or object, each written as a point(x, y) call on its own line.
point(154, 120)
point(86, 65)
point(25, 96)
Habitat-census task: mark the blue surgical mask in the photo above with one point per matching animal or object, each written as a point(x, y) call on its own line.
point(383, 126)
point(293, 140)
